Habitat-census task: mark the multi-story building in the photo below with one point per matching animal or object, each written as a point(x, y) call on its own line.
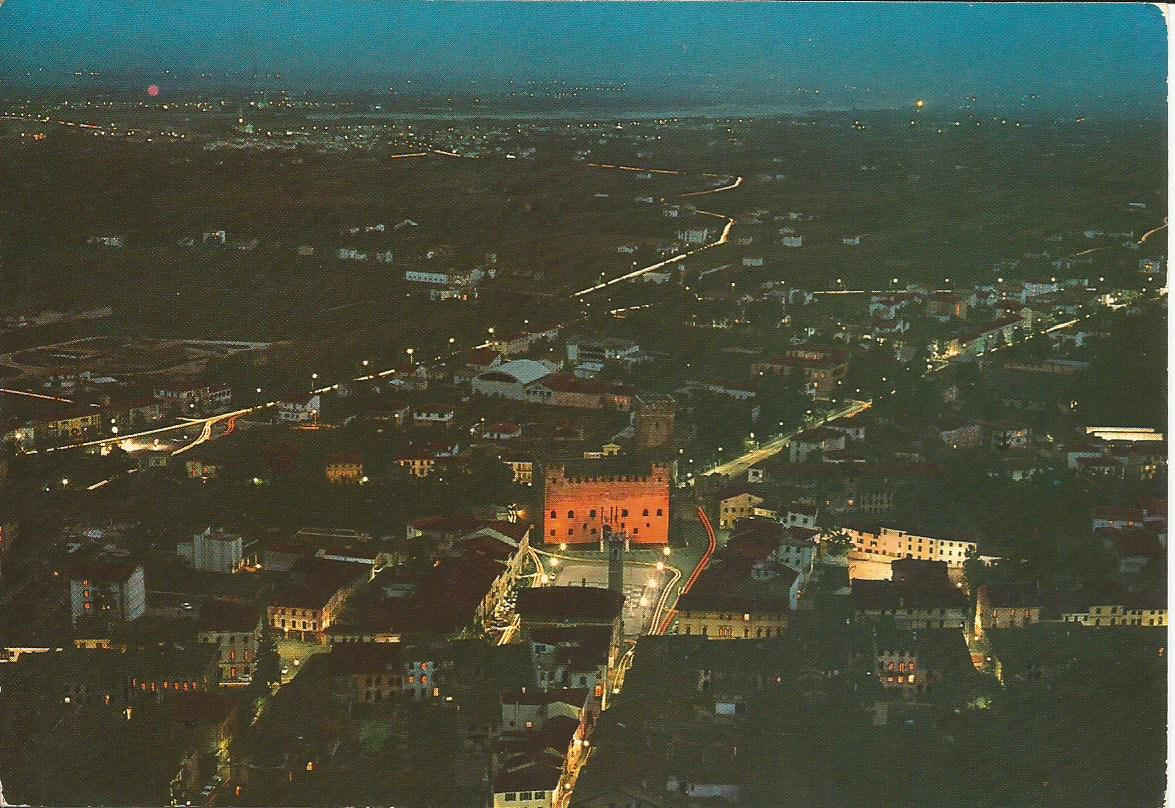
point(214, 550)
point(559, 607)
point(235, 630)
point(299, 410)
point(740, 505)
point(913, 662)
point(522, 468)
point(344, 469)
point(200, 398)
point(820, 439)
point(315, 597)
point(1007, 606)
point(820, 368)
point(567, 390)
point(581, 497)
point(79, 424)
point(910, 606)
point(946, 305)
point(887, 543)
point(731, 617)
point(106, 589)
point(1140, 609)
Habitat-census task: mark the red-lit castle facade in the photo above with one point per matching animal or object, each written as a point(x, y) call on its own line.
point(580, 497)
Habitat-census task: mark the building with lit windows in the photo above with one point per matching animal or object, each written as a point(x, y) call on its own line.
point(887, 543)
point(581, 497)
point(107, 589)
point(235, 630)
point(913, 662)
point(731, 617)
point(314, 598)
point(344, 469)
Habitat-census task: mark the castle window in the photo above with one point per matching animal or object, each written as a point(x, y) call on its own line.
point(571, 514)
point(554, 515)
point(592, 513)
point(646, 513)
point(570, 531)
point(624, 511)
point(659, 512)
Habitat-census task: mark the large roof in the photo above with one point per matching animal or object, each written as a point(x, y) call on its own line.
point(523, 371)
point(584, 603)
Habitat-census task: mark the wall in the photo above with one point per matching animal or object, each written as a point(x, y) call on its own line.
point(600, 497)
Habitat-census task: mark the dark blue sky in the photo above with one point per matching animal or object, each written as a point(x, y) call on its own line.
point(1064, 52)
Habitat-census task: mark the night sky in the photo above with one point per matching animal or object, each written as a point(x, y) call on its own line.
point(1104, 55)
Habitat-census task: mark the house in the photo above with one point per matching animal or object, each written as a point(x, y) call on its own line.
point(946, 305)
point(914, 662)
point(234, 628)
point(820, 439)
point(961, 435)
point(735, 506)
point(299, 410)
point(1007, 606)
point(802, 516)
point(433, 414)
point(548, 607)
point(572, 657)
point(717, 616)
point(793, 241)
point(315, 596)
point(502, 430)
point(566, 390)
point(344, 469)
point(797, 549)
point(1007, 436)
point(105, 589)
point(1134, 548)
point(821, 368)
point(850, 241)
point(753, 261)
point(526, 783)
point(1109, 610)
point(911, 606)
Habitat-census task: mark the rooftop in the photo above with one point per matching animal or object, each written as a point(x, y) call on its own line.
point(588, 604)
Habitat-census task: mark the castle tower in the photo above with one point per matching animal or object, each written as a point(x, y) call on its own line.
point(653, 420)
point(615, 560)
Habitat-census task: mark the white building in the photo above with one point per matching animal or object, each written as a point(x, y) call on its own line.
point(793, 241)
point(887, 543)
point(299, 411)
point(694, 235)
point(753, 261)
point(215, 551)
point(107, 588)
point(510, 379)
point(350, 254)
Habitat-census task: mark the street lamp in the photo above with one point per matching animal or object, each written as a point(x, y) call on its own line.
point(665, 551)
point(314, 376)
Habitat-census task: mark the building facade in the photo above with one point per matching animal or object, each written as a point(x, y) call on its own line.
point(581, 497)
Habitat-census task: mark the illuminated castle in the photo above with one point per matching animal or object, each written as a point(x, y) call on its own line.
point(581, 497)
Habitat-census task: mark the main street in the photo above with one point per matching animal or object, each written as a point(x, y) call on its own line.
point(773, 447)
